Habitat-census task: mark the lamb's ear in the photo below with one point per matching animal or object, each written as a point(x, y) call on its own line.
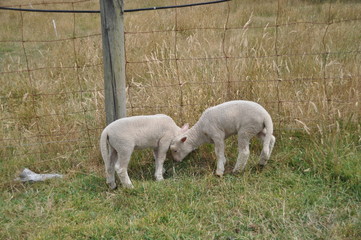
point(184, 139)
point(185, 127)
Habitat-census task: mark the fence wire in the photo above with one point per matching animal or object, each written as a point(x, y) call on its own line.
point(125, 11)
point(305, 69)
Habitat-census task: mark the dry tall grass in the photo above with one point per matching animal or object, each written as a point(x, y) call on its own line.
point(299, 59)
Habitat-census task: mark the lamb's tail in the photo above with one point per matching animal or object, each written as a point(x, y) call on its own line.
point(268, 140)
point(106, 151)
point(104, 147)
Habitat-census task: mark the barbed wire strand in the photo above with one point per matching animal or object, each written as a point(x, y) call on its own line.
point(324, 60)
point(126, 10)
point(30, 81)
point(225, 56)
point(180, 87)
point(82, 103)
point(277, 62)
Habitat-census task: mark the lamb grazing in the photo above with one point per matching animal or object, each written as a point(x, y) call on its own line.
point(244, 118)
point(121, 137)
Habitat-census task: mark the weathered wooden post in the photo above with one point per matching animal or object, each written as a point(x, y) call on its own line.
point(113, 58)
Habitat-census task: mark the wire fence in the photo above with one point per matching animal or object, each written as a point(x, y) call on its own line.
point(125, 10)
point(302, 63)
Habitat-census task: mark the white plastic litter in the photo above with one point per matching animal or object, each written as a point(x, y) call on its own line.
point(29, 176)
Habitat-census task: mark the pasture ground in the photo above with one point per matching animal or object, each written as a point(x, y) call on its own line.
point(309, 190)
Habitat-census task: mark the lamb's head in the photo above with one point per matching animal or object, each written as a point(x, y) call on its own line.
point(180, 147)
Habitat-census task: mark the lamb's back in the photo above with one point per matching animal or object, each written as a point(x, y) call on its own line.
point(231, 116)
point(142, 131)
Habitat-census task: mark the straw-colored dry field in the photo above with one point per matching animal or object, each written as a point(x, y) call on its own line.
point(300, 59)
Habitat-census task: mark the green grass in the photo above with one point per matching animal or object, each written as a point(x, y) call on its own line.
point(309, 190)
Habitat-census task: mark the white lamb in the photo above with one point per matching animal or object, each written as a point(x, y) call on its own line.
point(244, 118)
point(121, 137)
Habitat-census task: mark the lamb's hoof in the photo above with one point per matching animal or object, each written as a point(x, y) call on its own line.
point(262, 163)
point(112, 186)
point(159, 179)
point(219, 174)
point(260, 167)
point(129, 186)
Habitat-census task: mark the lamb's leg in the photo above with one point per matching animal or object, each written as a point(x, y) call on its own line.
point(121, 167)
point(155, 153)
point(266, 151)
point(159, 167)
point(160, 155)
point(243, 153)
point(271, 145)
point(221, 159)
point(109, 169)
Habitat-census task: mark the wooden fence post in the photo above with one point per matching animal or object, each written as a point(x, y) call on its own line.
point(113, 58)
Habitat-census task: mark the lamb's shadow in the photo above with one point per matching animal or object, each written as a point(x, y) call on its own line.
point(200, 162)
point(142, 165)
